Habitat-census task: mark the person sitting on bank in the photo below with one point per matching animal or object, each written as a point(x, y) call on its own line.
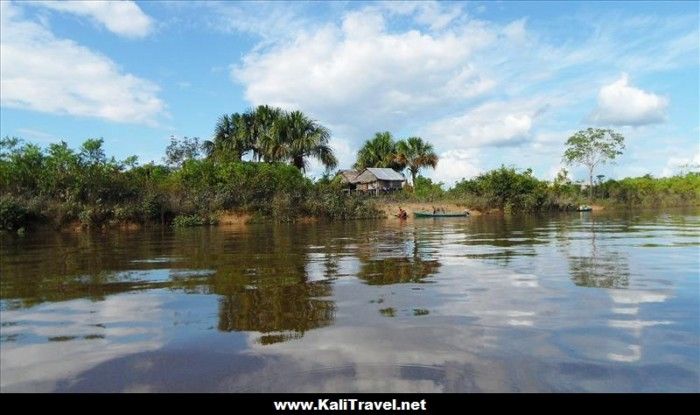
point(402, 214)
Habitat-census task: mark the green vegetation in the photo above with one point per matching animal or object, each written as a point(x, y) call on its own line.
point(415, 154)
point(511, 190)
point(271, 135)
point(382, 151)
point(198, 182)
point(593, 147)
point(61, 186)
point(647, 191)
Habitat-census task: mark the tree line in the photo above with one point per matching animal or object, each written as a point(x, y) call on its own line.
point(254, 162)
point(272, 135)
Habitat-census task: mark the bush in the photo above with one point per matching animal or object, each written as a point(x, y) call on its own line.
point(425, 189)
point(329, 201)
point(65, 185)
point(508, 189)
point(185, 221)
point(95, 216)
point(13, 215)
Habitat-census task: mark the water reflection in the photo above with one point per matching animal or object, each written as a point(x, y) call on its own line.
point(567, 303)
point(596, 264)
point(397, 270)
point(294, 308)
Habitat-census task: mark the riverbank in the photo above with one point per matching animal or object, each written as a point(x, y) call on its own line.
point(67, 189)
point(391, 209)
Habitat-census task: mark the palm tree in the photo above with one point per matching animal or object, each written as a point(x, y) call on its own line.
point(263, 120)
point(416, 154)
point(380, 151)
point(295, 137)
point(273, 135)
point(229, 140)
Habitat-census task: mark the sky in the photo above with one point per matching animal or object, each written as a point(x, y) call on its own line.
point(487, 83)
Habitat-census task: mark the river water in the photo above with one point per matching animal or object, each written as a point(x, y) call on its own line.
point(574, 302)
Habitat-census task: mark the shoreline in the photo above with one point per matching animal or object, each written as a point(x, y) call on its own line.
point(390, 209)
point(387, 210)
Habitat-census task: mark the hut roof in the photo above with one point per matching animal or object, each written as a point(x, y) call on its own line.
point(348, 175)
point(376, 173)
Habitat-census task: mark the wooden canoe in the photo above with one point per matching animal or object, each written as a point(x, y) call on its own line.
point(440, 214)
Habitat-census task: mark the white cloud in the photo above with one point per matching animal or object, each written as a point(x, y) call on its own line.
point(619, 103)
point(455, 165)
point(360, 73)
point(494, 123)
point(124, 18)
point(432, 14)
point(462, 83)
point(681, 165)
point(37, 135)
point(44, 73)
point(343, 152)
point(271, 21)
point(516, 31)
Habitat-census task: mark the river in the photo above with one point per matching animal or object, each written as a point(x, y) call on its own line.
point(574, 302)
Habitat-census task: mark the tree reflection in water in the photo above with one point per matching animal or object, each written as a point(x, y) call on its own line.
point(404, 261)
point(281, 311)
point(397, 270)
point(602, 267)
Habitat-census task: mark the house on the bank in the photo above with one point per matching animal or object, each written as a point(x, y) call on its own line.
point(378, 180)
point(372, 180)
point(347, 177)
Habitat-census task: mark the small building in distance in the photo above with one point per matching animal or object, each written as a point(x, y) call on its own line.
point(347, 176)
point(347, 179)
point(378, 180)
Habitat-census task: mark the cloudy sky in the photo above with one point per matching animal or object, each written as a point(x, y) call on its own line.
point(488, 83)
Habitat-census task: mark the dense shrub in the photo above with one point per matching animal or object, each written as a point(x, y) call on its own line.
point(652, 192)
point(13, 214)
point(508, 189)
point(185, 221)
point(425, 189)
point(62, 185)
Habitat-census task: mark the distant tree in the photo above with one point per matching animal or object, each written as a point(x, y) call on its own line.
point(295, 137)
point(230, 140)
point(591, 148)
point(130, 162)
point(261, 131)
point(91, 152)
point(178, 151)
point(562, 177)
point(272, 134)
point(380, 151)
point(7, 145)
point(415, 154)
point(60, 170)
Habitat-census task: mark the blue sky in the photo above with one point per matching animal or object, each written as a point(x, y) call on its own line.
point(488, 83)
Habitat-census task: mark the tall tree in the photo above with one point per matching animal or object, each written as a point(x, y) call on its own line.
point(296, 137)
point(380, 151)
point(592, 147)
point(229, 141)
point(415, 154)
point(261, 130)
point(178, 151)
point(273, 135)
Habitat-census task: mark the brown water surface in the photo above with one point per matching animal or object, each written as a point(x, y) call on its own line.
point(575, 302)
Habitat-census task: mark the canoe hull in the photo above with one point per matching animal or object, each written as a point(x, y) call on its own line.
point(439, 215)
